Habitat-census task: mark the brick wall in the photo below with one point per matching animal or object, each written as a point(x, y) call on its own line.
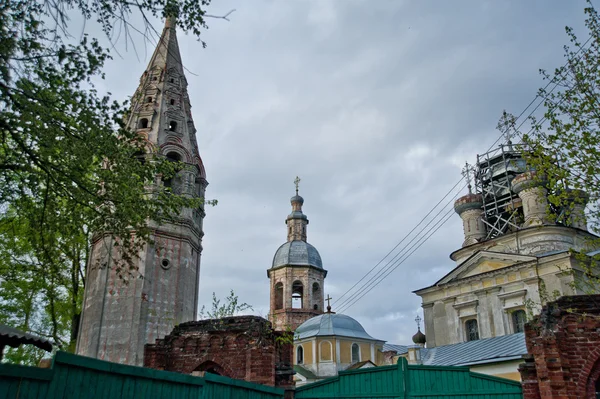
point(563, 343)
point(242, 347)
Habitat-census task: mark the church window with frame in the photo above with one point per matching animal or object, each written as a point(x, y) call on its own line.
point(472, 330)
point(278, 296)
point(519, 319)
point(299, 355)
point(325, 351)
point(355, 353)
point(297, 294)
point(171, 157)
point(143, 123)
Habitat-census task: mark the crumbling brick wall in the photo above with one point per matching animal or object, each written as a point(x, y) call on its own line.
point(241, 347)
point(563, 343)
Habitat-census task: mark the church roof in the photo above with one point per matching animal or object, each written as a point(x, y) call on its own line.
point(297, 253)
point(332, 324)
point(481, 351)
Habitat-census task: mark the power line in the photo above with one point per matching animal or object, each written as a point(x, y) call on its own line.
point(393, 261)
point(401, 241)
point(367, 287)
point(447, 216)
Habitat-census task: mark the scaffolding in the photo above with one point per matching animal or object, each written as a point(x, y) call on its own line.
point(494, 172)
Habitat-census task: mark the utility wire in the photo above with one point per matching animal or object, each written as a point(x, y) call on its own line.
point(406, 247)
point(361, 290)
point(401, 241)
point(447, 216)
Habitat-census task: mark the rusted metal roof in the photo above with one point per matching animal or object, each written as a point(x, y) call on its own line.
point(12, 337)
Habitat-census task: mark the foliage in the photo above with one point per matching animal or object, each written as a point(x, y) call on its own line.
point(229, 307)
point(563, 147)
point(68, 165)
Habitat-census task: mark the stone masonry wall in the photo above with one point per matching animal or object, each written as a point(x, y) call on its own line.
point(242, 347)
point(564, 347)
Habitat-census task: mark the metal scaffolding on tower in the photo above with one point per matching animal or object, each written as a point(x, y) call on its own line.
point(494, 172)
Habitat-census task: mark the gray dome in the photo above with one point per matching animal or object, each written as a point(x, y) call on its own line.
point(297, 198)
point(332, 324)
point(298, 253)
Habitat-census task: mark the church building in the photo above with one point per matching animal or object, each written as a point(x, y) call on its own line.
point(119, 317)
point(515, 257)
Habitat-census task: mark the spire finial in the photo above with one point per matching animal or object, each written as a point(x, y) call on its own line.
point(467, 172)
point(328, 299)
point(418, 320)
point(297, 183)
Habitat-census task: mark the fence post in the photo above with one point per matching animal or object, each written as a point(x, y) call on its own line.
point(404, 381)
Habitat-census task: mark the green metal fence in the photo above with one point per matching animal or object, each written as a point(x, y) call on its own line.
point(78, 377)
point(411, 381)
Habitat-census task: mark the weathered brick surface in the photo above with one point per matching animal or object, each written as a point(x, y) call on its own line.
point(242, 347)
point(564, 347)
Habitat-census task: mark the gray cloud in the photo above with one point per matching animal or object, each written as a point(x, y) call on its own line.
point(375, 105)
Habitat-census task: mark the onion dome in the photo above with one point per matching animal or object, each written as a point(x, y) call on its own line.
point(419, 338)
point(469, 201)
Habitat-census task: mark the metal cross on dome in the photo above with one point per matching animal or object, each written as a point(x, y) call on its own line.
point(468, 171)
point(418, 320)
point(297, 183)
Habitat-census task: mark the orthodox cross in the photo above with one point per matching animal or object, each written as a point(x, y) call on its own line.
point(297, 183)
point(467, 172)
point(328, 299)
point(418, 320)
point(509, 135)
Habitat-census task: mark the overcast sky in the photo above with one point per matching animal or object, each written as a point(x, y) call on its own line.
point(376, 105)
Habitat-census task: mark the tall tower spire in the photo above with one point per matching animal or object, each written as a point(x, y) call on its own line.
point(120, 318)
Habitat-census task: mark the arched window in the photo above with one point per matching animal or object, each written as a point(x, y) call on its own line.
point(299, 355)
point(297, 294)
point(171, 157)
point(519, 319)
point(173, 126)
point(154, 77)
point(355, 353)
point(149, 100)
point(325, 352)
point(315, 288)
point(316, 307)
point(472, 330)
point(278, 296)
point(172, 101)
point(143, 123)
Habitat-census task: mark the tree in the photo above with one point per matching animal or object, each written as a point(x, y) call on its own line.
point(563, 147)
point(230, 307)
point(68, 165)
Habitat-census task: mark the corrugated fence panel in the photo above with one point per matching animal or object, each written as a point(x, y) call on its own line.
point(78, 377)
point(217, 387)
point(411, 381)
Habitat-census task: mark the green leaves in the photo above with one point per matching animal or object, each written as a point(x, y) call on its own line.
point(230, 307)
point(564, 146)
point(68, 167)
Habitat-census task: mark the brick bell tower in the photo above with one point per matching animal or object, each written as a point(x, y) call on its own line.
point(296, 275)
point(119, 319)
